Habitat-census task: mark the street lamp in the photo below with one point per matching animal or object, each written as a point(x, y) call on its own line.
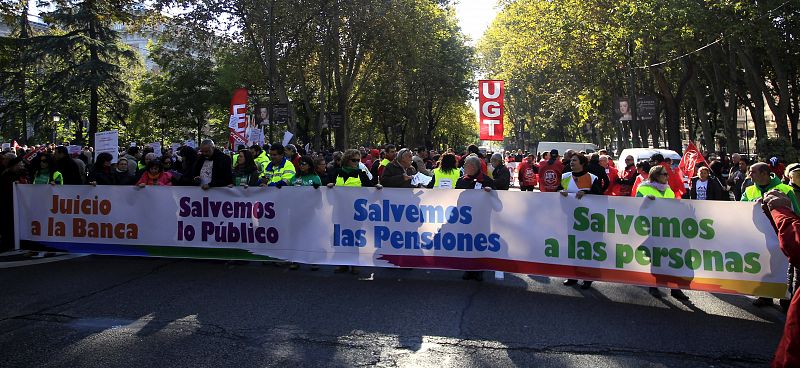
point(163, 121)
point(56, 119)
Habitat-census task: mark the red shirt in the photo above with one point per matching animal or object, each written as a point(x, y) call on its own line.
point(788, 225)
point(550, 175)
point(527, 177)
point(613, 188)
point(675, 181)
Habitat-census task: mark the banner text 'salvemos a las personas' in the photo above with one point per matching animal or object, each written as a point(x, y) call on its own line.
point(727, 247)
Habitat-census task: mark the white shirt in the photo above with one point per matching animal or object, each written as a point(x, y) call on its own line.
point(701, 187)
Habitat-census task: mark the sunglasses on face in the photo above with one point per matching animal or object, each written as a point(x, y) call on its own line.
point(355, 160)
point(303, 164)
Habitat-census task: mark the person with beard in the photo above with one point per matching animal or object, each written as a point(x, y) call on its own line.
point(213, 168)
point(581, 182)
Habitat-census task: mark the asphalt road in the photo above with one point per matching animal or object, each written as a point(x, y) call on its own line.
point(137, 312)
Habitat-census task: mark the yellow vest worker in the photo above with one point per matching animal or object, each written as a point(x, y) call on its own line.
point(445, 179)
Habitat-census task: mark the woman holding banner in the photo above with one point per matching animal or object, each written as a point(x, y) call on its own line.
point(44, 171)
point(581, 182)
point(245, 171)
point(657, 186)
point(350, 175)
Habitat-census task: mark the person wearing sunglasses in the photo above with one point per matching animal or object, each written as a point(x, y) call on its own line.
point(306, 176)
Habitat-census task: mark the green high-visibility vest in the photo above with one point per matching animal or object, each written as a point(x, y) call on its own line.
point(646, 190)
point(444, 179)
point(350, 182)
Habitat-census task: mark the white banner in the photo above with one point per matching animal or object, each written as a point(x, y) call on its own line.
point(727, 247)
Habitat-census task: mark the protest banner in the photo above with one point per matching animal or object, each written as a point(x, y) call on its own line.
point(491, 102)
point(6, 146)
point(237, 124)
point(725, 247)
point(156, 146)
point(107, 142)
point(74, 149)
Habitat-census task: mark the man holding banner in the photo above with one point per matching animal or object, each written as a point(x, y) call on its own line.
point(213, 168)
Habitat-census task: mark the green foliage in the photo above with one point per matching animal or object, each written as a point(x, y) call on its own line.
point(777, 147)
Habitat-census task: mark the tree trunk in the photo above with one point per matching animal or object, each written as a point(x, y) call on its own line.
point(94, 96)
point(702, 114)
point(671, 108)
point(23, 75)
point(756, 94)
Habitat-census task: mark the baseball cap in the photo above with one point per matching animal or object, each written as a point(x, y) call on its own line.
point(554, 152)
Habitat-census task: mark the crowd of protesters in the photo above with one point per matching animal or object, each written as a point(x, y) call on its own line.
point(720, 178)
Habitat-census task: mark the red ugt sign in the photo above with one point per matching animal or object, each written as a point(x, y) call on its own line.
point(491, 94)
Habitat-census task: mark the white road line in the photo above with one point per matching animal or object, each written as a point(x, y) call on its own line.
point(35, 261)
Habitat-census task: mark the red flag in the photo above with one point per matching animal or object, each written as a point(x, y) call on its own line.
point(15, 146)
point(690, 159)
point(237, 124)
point(491, 94)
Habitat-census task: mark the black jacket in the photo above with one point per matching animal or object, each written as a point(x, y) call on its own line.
point(220, 172)
point(601, 175)
point(102, 177)
point(360, 174)
point(69, 170)
point(393, 176)
point(467, 182)
point(714, 190)
point(502, 177)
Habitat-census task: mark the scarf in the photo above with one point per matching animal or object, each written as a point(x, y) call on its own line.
point(658, 186)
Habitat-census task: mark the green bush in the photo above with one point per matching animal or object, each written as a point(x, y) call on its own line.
point(776, 147)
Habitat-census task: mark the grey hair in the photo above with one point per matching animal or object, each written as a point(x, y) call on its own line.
point(207, 142)
point(402, 152)
point(497, 157)
point(473, 160)
point(150, 156)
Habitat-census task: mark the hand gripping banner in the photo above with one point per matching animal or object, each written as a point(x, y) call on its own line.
point(724, 247)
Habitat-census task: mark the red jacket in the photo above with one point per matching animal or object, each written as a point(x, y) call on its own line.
point(613, 188)
point(788, 352)
point(628, 174)
point(675, 181)
point(639, 179)
point(526, 174)
point(550, 175)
